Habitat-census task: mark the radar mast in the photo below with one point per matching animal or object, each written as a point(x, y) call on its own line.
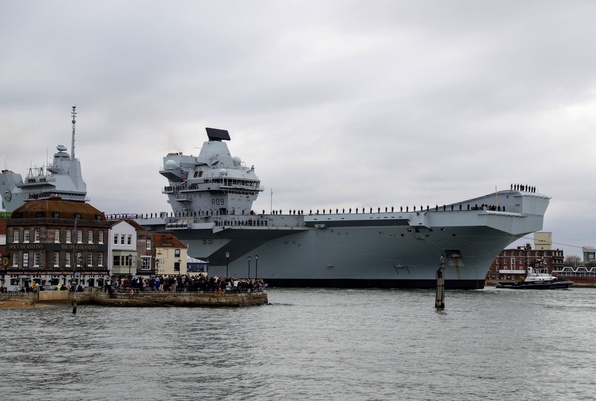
point(74, 121)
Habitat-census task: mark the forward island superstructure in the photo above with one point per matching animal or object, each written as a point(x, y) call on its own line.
point(211, 196)
point(62, 178)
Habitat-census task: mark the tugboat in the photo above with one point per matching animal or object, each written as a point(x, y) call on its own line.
point(537, 278)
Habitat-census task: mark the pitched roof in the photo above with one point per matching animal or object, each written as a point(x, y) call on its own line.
point(133, 223)
point(164, 240)
point(66, 209)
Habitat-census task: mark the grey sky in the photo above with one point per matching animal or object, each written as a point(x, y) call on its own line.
point(336, 103)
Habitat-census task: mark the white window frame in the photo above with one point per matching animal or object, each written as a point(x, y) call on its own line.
point(36, 259)
point(145, 262)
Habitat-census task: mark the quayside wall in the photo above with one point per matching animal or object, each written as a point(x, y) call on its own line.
point(171, 299)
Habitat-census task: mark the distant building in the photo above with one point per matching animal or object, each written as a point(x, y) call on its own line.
point(196, 266)
point(170, 255)
point(56, 242)
point(512, 264)
point(123, 248)
point(132, 250)
point(543, 241)
point(589, 254)
point(146, 265)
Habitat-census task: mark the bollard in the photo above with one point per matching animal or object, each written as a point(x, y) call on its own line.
point(440, 298)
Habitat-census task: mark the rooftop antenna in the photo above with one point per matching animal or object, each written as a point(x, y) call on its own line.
point(74, 121)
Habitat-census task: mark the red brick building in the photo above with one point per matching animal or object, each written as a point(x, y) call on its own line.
point(512, 264)
point(44, 238)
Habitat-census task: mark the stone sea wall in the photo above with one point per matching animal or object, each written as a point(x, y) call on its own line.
point(142, 299)
point(170, 299)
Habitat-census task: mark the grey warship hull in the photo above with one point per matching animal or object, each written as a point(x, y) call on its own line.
point(212, 194)
point(382, 250)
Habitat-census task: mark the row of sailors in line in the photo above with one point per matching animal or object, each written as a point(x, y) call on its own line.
point(311, 212)
point(401, 209)
point(520, 187)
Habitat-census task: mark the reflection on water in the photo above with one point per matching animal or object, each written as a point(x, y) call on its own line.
point(310, 344)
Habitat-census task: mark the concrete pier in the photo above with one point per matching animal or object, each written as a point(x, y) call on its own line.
point(138, 299)
point(171, 299)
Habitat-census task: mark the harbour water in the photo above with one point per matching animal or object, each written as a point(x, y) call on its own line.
point(315, 344)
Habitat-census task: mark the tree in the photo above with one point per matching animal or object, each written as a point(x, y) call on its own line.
point(573, 260)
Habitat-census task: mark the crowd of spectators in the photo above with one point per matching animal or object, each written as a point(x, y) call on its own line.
point(185, 283)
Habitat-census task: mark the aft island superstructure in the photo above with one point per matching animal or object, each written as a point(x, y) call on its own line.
point(211, 196)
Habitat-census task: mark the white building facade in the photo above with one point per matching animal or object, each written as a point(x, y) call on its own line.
point(123, 257)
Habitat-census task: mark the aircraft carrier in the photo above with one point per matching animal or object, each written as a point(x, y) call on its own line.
point(211, 196)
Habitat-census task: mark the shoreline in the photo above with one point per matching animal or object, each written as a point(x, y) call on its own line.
point(140, 299)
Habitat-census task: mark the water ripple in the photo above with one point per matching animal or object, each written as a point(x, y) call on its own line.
point(309, 344)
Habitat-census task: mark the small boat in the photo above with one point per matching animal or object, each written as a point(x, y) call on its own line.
point(537, 279)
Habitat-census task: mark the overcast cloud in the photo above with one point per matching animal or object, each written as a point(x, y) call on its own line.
point(336, 103)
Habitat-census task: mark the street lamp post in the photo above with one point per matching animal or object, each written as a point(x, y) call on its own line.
point(256, 266)
point(227, 262)
point(129, 264)
point(248, 268)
